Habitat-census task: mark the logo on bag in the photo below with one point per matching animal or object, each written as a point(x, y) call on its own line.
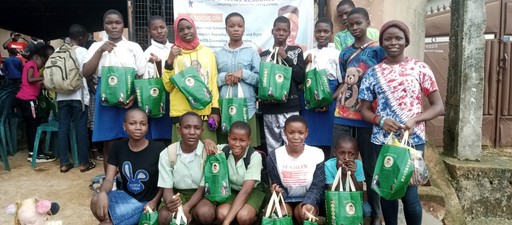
point(215, 167)
point(154, 92)
point(232, 110)
point(112, 80)
point(350, 209)
point(279, 77)
point(189, 81)
point(388, 161)
point(308, 82)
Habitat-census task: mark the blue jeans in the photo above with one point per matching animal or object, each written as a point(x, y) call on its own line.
point(71, 110)
point(123, 208)
point(411, 201)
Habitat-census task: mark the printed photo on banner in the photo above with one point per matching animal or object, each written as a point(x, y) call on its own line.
point(209, 16)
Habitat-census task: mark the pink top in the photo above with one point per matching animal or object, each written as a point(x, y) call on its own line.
point(29, 91)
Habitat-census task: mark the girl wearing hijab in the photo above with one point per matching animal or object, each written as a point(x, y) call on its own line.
point(188, 51)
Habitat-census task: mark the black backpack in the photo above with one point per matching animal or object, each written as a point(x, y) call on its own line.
point(265, 179)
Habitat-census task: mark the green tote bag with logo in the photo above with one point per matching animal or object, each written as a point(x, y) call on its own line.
point(275, 79)
point(216, 178)
point(345, 206)
point(190, 83)
point(116, 83)
point(232, 109)
point(317, 92)
point(393, 170)
point(151, 95)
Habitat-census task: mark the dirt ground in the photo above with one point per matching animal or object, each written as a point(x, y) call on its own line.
point(70, 190)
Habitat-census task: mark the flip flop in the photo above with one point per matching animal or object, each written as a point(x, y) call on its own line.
point(91, 165)
point(66, 168)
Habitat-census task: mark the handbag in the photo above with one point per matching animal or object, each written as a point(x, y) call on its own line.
point(394, 169)
point(149, 217)
point(179, 217)
point(275, 79)
point(344, 207)
point(151, 95)
point(233, 109)
point(274, 214)
point(216, 178)
point(116, 83)
point(190, 83)
point(317, 93)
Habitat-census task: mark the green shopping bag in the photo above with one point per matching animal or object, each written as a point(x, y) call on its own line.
point(216, 178)
point(275, 79)
point(149, 217)
point(45, 106)
point(273, 212)
point(317, 93)
point(116, 83)
point(232, 109)
point(393, 170)
point(179, 218)
point(312, 220)
point(344, 207)
point(190, 83)
point(151, 95)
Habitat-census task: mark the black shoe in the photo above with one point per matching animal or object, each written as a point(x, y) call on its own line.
point(42, 158)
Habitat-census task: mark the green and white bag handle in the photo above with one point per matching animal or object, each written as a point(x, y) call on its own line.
point(240, 92)
point(276, 57)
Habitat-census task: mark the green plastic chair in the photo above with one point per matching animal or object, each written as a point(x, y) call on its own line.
point(6, 102)
point(52, 127)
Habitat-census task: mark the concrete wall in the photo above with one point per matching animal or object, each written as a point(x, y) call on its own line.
point(411, 12)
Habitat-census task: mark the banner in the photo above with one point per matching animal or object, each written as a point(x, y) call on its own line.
point(259, 16)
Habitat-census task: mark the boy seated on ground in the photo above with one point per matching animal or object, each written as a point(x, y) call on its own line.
point(181, 170)
point(247, 194)
point(345, 152)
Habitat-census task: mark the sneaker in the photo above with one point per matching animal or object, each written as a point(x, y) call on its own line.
point(42, 158)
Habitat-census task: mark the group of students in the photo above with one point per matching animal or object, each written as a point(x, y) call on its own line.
point(378, 92)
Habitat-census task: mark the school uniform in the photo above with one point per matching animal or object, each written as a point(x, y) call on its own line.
point(238, 174)
point(320, 124)
point(108, 120)
point(159, 128)
point(186, 175)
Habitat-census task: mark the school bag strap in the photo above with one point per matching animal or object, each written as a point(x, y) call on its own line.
point(359, 50)
point(247, 159)
point(172, 153)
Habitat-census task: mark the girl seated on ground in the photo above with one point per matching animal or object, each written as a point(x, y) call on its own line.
point(296, 170)
point(137, 161)
point(247, 192)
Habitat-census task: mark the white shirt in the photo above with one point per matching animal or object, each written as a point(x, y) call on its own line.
point(297, 173)
point(326, 58)
point(84, 90)
point(126, 54)
point(160, 50)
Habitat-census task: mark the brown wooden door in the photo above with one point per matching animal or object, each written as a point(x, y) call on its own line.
point(497, 108)
point(504, 113)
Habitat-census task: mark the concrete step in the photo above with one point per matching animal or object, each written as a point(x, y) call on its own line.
point(493, 221)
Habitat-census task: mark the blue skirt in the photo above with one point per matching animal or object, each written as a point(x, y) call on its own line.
point(108, 120)
point(161, 128)
point(320, 124)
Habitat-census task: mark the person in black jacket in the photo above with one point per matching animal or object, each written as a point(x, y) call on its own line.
point(275, 114)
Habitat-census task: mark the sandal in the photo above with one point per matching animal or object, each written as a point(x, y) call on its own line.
point(66, 168)
point(96, 155)
point(90, 165)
